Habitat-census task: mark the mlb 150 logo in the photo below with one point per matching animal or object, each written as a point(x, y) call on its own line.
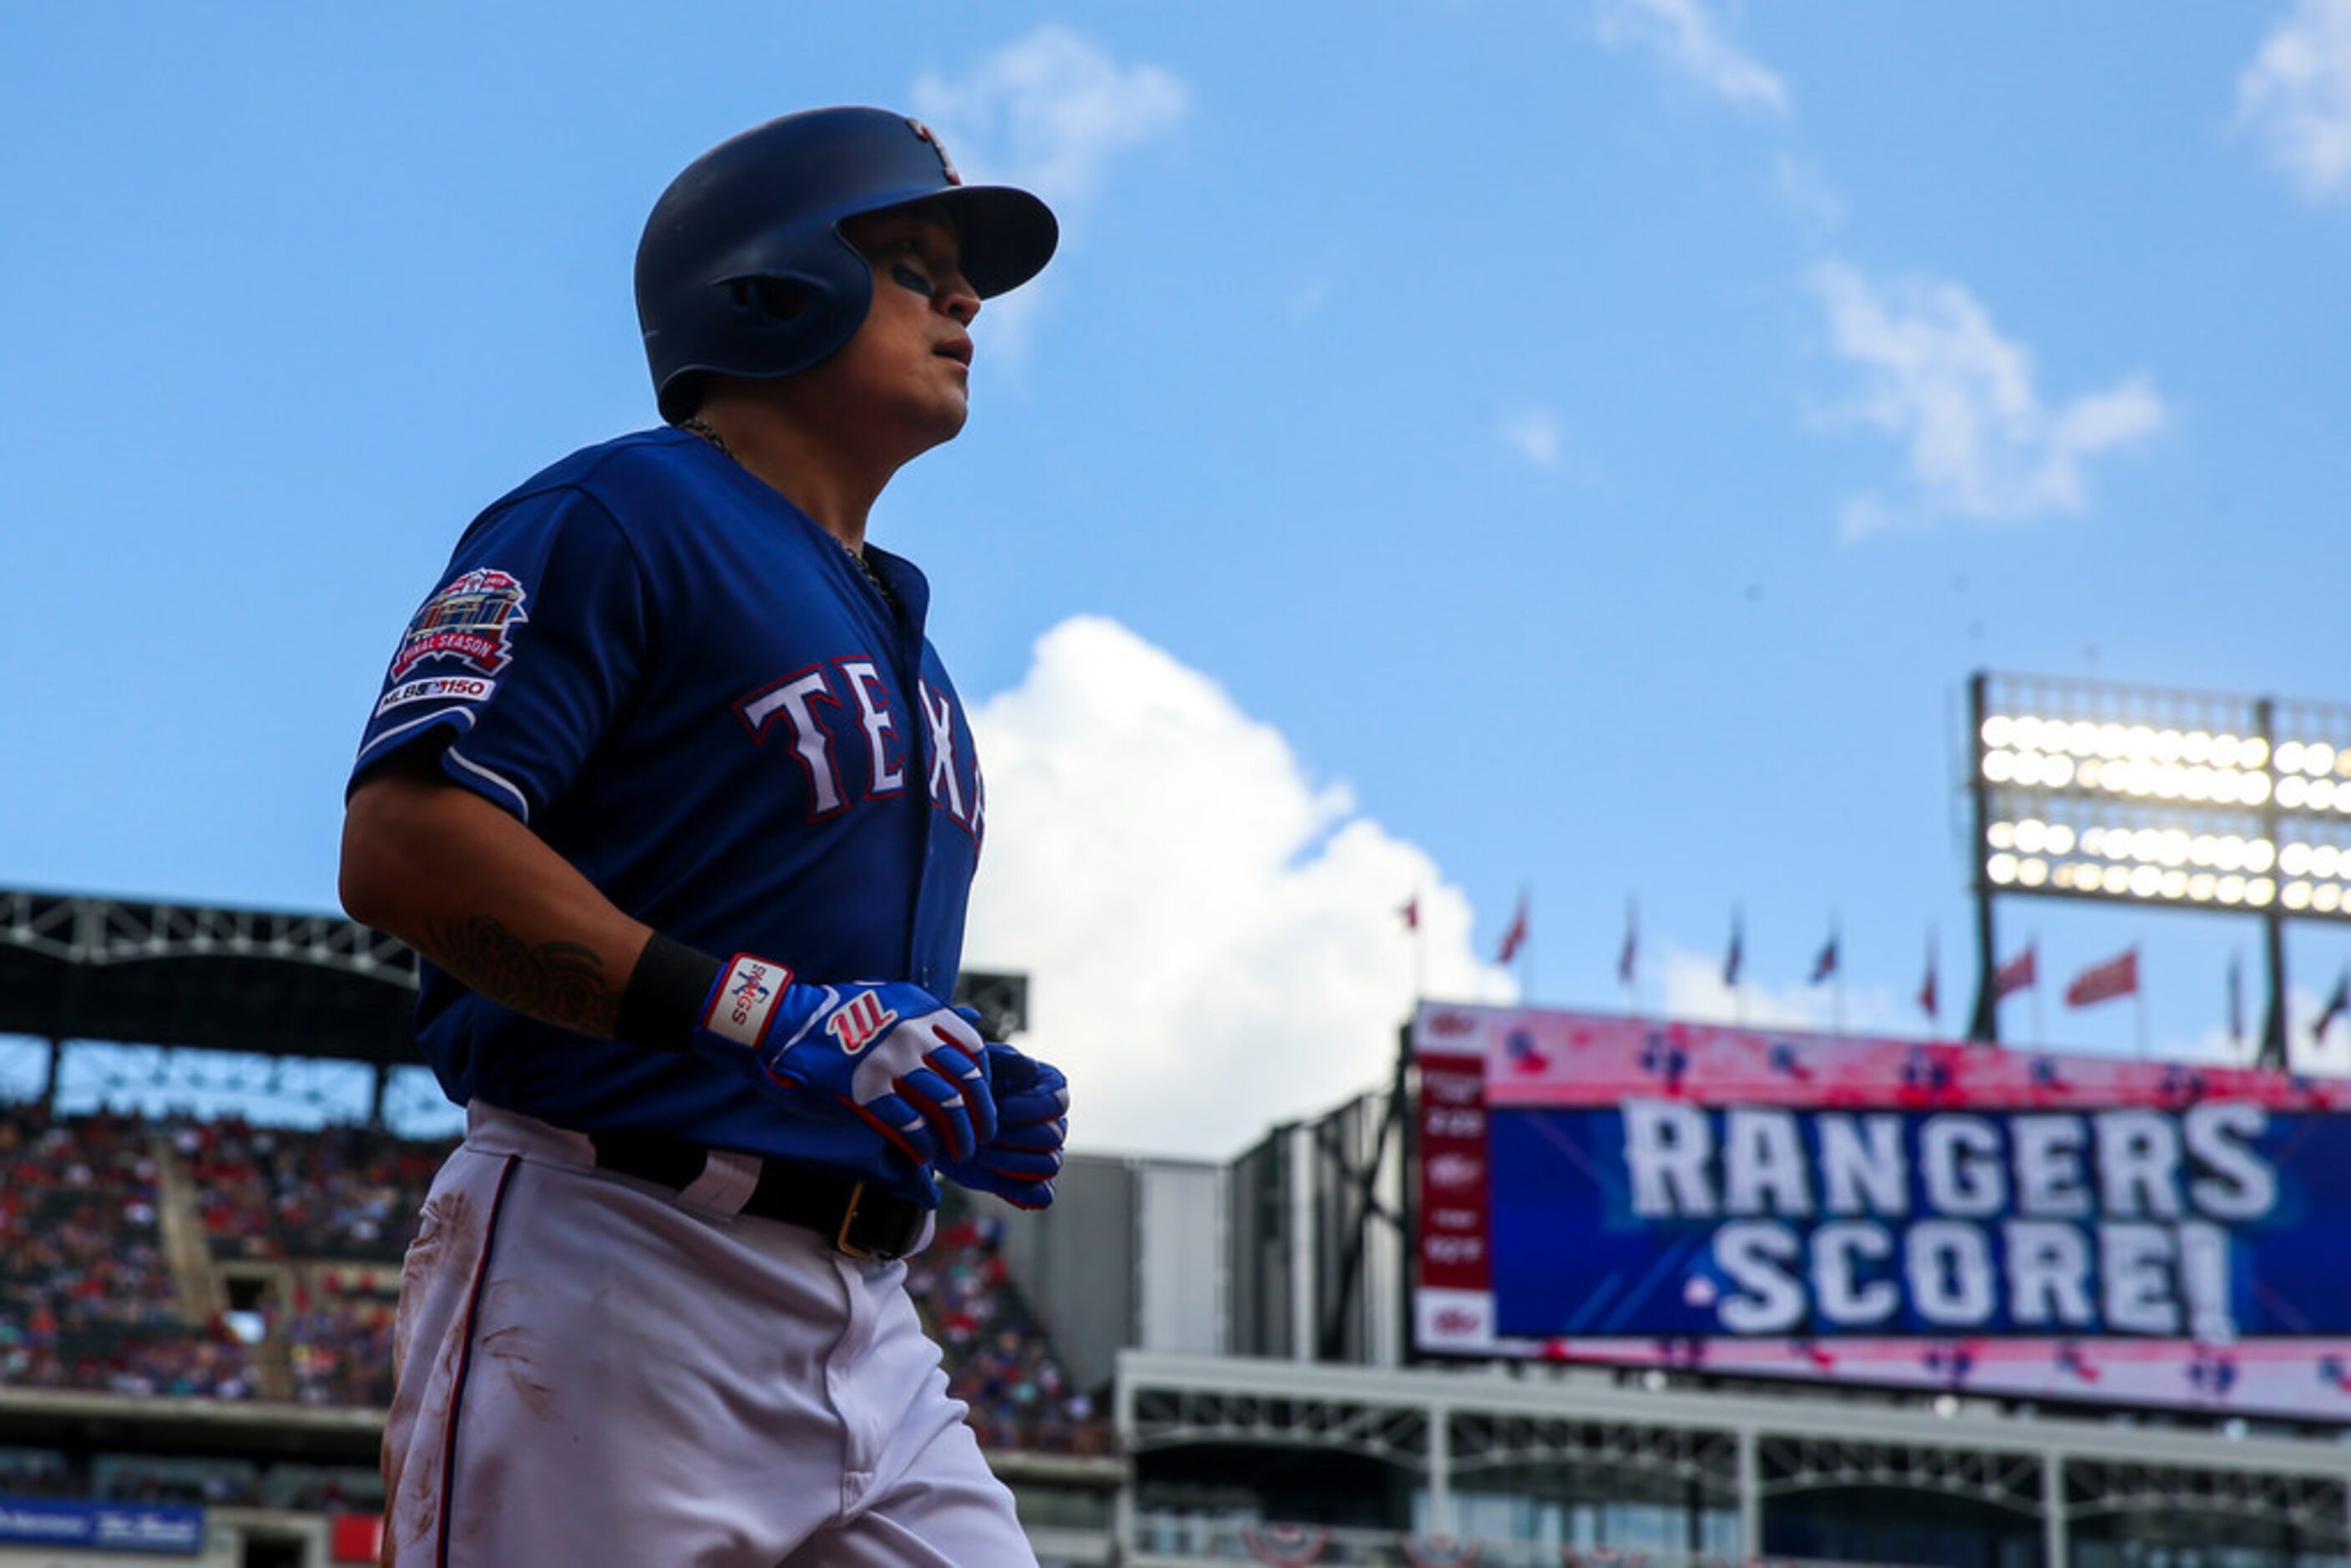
point(438, 688)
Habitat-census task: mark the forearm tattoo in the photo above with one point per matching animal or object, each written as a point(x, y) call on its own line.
point(557, 982)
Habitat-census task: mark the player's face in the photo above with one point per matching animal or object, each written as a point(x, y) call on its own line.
point(909, 365)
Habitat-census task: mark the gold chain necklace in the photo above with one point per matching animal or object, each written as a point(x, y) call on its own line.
point(698, 426)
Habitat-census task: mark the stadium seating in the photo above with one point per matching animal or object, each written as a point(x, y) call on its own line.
point(340, 1334)
point(333, 1193)
point(88, 1298)
point(998, 1358)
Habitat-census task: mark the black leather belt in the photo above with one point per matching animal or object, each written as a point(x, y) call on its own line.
point(859, 1219)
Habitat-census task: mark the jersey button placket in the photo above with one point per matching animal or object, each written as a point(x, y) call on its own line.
point(918, 963)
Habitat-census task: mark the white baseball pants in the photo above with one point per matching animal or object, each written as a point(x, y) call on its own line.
point(593, 1371)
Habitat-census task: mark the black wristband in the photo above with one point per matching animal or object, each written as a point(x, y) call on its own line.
point(664, 997)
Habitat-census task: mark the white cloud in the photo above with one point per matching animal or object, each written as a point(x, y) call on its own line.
point(1535, 435)
point(2297, 94)
point(1694, 990)
point(2305, 1052)
point(1050, 113)
point(1685, 35)
point(1212, 938)
point(1938, 375)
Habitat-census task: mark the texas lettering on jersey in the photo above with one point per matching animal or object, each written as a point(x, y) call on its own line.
point(824, 713)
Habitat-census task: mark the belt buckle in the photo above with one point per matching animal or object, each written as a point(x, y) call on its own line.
point(879, 1252)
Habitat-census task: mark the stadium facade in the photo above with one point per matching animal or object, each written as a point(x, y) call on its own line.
point(1296, 1420)
point(1248, 1334)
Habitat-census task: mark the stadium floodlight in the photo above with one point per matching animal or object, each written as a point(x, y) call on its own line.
point(2148, 796)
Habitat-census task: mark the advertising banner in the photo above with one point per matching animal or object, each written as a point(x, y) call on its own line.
point(108, 1526)
point(356, 1537)
point(1611, 1188)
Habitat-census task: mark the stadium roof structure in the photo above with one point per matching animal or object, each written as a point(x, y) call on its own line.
point(82, 968)
point(1446, 1424)
point(75, 967)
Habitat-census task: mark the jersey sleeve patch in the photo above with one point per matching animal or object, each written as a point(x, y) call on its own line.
point(470, 622)
point(437, 688)
point(525, 649)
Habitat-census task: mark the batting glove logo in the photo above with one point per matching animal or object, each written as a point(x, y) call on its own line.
point(742, 1004)
point(860, 1022)
point(750, 991)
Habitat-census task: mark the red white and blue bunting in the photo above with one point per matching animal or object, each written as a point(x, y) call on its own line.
point(1286, 1546)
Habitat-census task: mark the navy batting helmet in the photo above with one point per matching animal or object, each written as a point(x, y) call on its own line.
point(742, 270)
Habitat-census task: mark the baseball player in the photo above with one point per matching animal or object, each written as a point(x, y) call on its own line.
point(672, 792)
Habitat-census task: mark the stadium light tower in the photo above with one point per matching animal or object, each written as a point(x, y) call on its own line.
point(2142, 795)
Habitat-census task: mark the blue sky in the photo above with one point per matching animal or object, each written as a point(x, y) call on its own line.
point(1461, 446)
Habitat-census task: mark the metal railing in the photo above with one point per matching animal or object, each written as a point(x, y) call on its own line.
point(1164, 1540)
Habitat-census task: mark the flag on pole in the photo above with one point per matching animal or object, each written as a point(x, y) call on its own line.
point(1732, 959)
point(1928, 998)
point(1825, 964)
point(2118, 976)
point(2336, 1005)
point(1516, 936)
point(2018, 973)
point(2236, 998)
point(1409, 913)
point(1629, 954)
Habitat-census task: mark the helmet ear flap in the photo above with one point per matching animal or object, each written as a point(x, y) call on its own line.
point(780, 299)
point(764, 324)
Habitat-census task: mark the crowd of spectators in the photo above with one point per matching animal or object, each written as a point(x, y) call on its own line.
point(309, 1489)
point(86, 1300)
point(347, 1193)
point(211, 1482)
point(186, 1482)
point(997, 1359)
point(339, 1334)
point(196, 1364)
point(208, 1363)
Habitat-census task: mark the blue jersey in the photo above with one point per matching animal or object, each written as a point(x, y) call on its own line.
point(690, 692)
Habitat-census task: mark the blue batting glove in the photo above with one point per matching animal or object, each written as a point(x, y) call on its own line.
point(896, 1056)
point(1019, 1163)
